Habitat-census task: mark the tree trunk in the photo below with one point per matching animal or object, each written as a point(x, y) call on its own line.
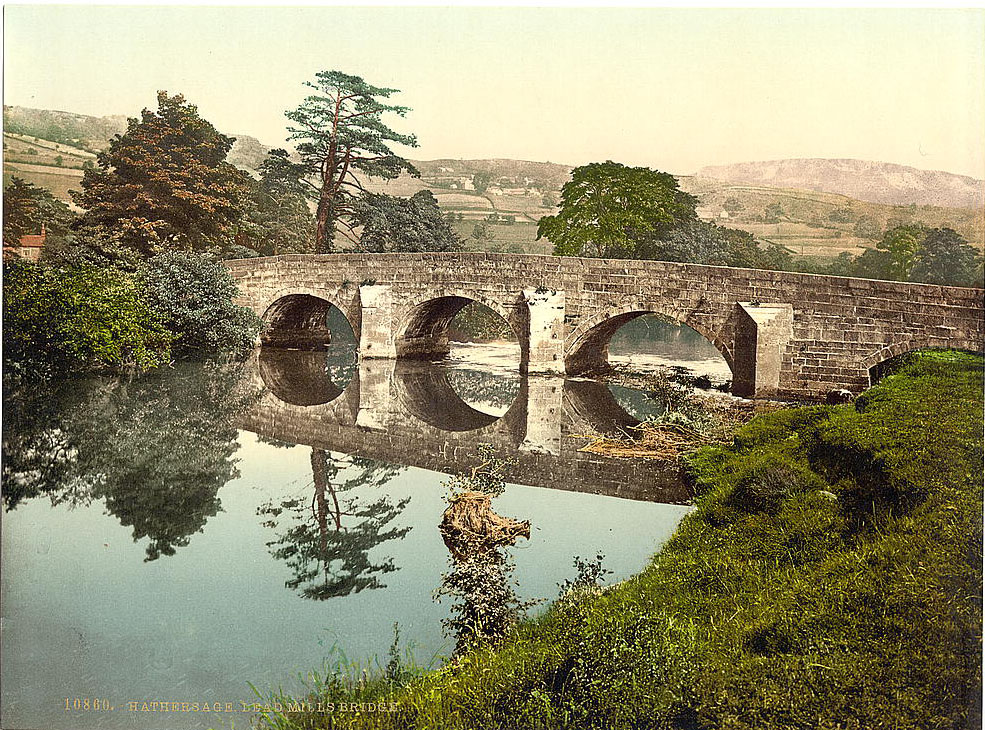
point(325, 231)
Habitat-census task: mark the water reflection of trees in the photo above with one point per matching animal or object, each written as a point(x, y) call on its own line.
point(156, 449)
point(325, 539)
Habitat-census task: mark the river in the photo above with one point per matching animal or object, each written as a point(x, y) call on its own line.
point(177, 536)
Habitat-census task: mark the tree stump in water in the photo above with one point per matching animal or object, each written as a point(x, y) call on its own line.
point(469, 526)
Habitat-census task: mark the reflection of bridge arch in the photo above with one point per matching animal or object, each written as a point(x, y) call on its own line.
point(591, 403)
point(423, 331)
point(589, 349)
point(298, 317)
point(425, 392)
point(300, 378)
point(542, 431)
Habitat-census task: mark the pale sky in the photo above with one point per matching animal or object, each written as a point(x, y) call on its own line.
point(673, 89)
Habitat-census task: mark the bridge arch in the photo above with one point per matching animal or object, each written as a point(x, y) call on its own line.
point(297, 318)
point(589, 342)
point(422, 332)
point(873, 361)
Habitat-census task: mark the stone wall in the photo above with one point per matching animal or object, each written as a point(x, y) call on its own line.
point(564, 309)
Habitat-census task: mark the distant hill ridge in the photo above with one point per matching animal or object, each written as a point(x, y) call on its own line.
point(874, 182)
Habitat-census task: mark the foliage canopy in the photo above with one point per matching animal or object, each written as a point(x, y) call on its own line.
point(163, 183)
point(27, 207)
point(611, 210)
point(192, 294)
point(403, 225)
point(62, 320)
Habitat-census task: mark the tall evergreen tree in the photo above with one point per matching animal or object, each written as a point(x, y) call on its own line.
point(342, 136)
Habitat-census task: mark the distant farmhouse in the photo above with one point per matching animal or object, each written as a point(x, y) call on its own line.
point(28, 247)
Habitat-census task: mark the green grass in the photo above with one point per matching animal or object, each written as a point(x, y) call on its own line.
point(830, 577)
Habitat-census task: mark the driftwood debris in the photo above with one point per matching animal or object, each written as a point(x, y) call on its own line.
point(469, 526)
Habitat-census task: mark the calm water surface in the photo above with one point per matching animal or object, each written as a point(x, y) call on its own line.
point(178, 536)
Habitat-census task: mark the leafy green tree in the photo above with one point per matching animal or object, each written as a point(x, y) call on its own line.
point(607, 209)
point(342, 135)
point(163, 183)
point(699, 242)
point(482, 234)
point(276, 217)
point(866, 227)
point(902, 243)
point(694, 242)
point(744, 251)
point(59, 320)
point(27, 208)
point(946, 258)
point(773, 212)
point(192, 294)
point(405, 225)
point(873, 263)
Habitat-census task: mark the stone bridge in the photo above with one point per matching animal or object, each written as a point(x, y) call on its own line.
point(783, 334)
point(408, 413)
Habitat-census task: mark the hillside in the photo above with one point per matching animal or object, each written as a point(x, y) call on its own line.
point(874, 182)
point(87, 133)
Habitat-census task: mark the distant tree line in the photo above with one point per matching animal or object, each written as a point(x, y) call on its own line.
point(913, 252)
point(610, 210)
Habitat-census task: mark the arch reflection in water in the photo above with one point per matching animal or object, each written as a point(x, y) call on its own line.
point(455, 399)
point(409, 413)
point(306, 378)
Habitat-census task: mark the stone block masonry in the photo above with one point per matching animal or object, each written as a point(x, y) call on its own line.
point(783, 334)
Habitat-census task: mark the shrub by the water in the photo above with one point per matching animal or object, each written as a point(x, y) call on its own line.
point(830, 577)
point(193, 294)
point(60, 320)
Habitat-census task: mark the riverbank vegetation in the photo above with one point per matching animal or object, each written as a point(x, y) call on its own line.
point(829, 577)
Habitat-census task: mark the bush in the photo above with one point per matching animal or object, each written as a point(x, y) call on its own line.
point(193, 295)
point(60, 320)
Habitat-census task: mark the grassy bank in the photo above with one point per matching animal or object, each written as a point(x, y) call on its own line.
point(829, 578)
